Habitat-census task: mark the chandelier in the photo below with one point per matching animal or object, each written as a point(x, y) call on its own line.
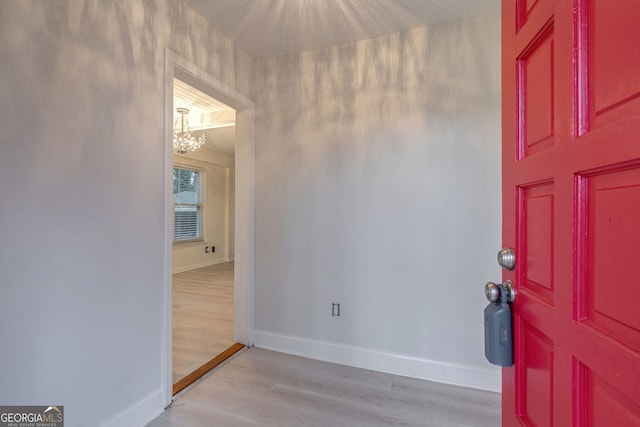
point(183, 141)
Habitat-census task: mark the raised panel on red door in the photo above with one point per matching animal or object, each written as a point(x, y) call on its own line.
point(571, 209)
point(608, 64)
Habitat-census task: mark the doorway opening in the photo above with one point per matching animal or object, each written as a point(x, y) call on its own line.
point(203, 229)
point(218, 239)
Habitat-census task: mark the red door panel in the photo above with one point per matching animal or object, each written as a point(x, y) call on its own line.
point(612, 222)
point(535, 94)
point(606, 406)
point(571, 210)
point(612, 68)
point(535, 376)
point(536, 205)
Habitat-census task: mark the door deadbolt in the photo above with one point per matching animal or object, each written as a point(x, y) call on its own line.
point(507, 258)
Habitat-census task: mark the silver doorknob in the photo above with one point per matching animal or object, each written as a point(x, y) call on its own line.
point(492, 291)
point(507, 258)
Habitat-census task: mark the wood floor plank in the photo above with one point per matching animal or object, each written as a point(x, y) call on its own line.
point(202, 316)
point(265, 388)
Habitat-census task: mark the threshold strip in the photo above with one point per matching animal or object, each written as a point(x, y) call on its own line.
point(194, 376)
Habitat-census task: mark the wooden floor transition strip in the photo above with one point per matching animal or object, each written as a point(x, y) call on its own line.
point(198, 373)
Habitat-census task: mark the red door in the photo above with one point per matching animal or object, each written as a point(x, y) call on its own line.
point(571, 210)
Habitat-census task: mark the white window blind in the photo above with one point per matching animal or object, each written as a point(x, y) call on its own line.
point(188, 205)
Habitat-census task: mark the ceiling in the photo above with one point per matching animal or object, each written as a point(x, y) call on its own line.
point(206, 115)
point(269, 28)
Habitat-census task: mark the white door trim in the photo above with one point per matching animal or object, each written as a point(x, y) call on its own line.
point(244, 204)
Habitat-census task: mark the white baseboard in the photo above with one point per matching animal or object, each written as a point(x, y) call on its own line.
point(194, 266)
point(139, 414)
point(375, 360)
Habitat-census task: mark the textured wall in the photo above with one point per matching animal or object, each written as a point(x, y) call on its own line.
point(81, 167)
point(378, 186)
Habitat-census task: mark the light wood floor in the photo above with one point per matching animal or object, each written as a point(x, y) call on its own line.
point(264, 388)
point(202, 316)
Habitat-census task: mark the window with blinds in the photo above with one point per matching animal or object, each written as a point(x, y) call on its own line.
point(188, 206)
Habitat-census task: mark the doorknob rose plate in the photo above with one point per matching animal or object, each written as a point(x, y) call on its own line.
point(510, 291)
point(507, 258)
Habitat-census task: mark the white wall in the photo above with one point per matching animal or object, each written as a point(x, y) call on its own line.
point(218, 168)
point(81, 198)
point(378, 187)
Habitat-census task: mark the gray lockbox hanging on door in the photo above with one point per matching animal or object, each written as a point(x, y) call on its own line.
point(498, 334)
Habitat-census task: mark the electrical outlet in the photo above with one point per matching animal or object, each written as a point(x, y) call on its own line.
point(335, 309)
point(206, 249)
point(213, 249)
